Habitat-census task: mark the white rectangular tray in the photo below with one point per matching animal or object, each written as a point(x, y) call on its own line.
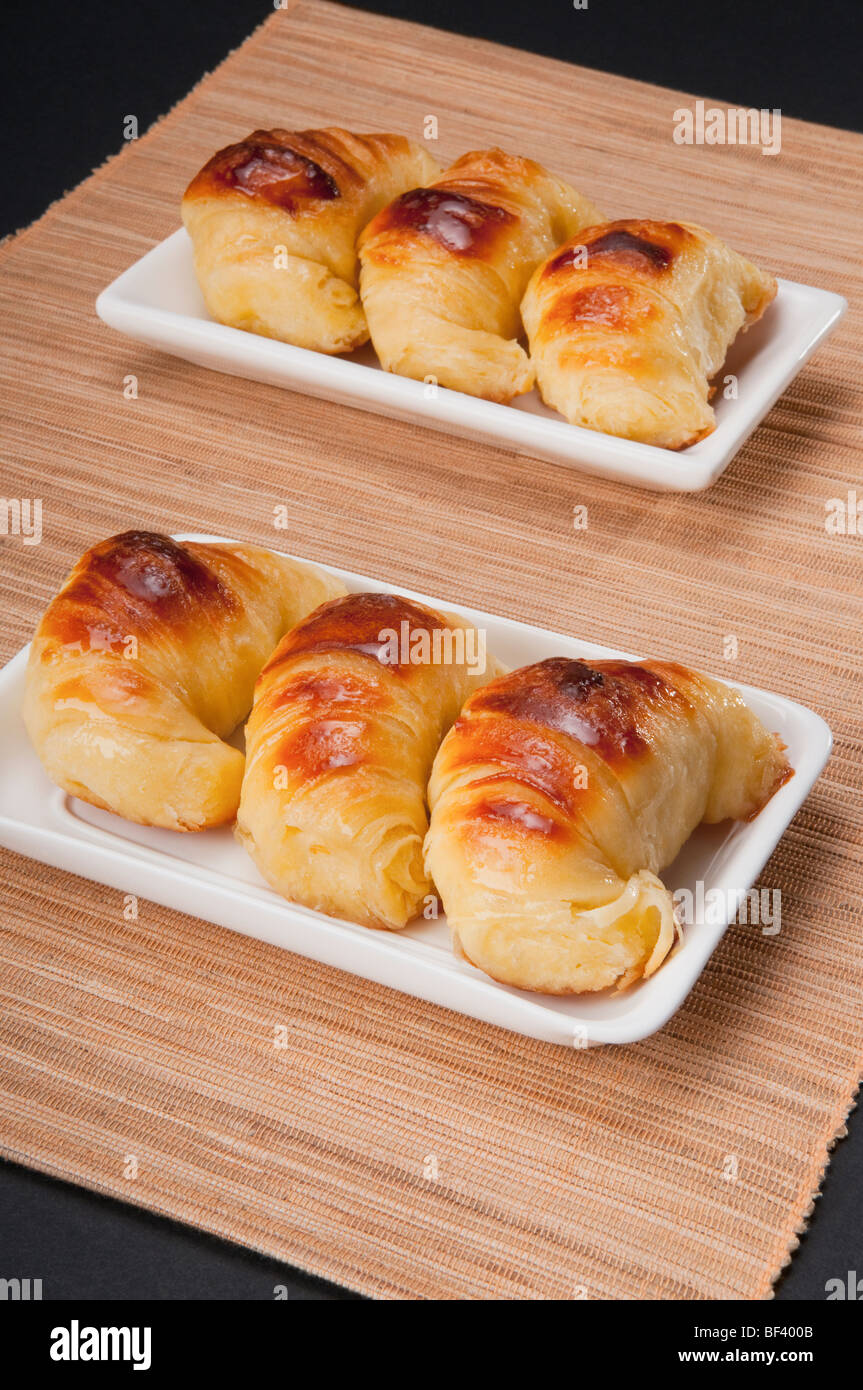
point(209, 875)
point(158, 302)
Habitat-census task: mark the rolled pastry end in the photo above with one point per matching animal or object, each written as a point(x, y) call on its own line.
point(386, 890)
point(612, 403)
point(176, 784)
point(463, 359)
point(577, 950)
point(298, 301)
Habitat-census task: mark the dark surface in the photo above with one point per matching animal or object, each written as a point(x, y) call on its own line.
point(70, 75)
point(83, 1246)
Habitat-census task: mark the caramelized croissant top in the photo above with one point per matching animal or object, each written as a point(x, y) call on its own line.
point(356, 624)
point(145, 662)
point(138, 582)
point(558, 796)
point(622, 257)
point(459, 223)
point(470, 209)
point(604, 706)
point(272, 165)
point(192, 608)
point(343, 695)
point(611, 708)
point(637, 245)
point(297, 171)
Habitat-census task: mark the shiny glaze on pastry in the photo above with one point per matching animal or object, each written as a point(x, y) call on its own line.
point(561, 792)
point(145, 663)
point(444, 268)
point(629, 321)
point(339, 745)
point(274, 221)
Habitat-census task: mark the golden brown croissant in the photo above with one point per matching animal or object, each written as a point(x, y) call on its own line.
point(443, 270)
point(274, 221)
point(628, 322)
point(560, 793)
point(347, 717)
point(146, 661)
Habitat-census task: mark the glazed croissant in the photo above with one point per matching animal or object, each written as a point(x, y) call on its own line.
point(628, 322)
point(560, 793)
point(348, 715)
point(443, 270)
point(146, 661)
point(274, 221)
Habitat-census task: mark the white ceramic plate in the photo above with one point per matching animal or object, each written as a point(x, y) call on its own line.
point(158, 302)
point(209, 875)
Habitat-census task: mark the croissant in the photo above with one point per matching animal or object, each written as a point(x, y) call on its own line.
point(348, 715)
point(560, 793)
point(444, 267)
point(628, 322)
point(146, 661)
point(274, 222)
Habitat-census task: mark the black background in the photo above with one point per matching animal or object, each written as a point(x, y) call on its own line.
point(69, 74)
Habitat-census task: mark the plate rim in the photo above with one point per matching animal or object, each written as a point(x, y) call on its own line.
point(690, 470)
point(549, 1024)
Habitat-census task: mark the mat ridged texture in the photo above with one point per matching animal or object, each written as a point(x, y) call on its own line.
point(559, 1174)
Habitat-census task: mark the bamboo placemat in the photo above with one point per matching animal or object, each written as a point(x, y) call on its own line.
point(390, 1145)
